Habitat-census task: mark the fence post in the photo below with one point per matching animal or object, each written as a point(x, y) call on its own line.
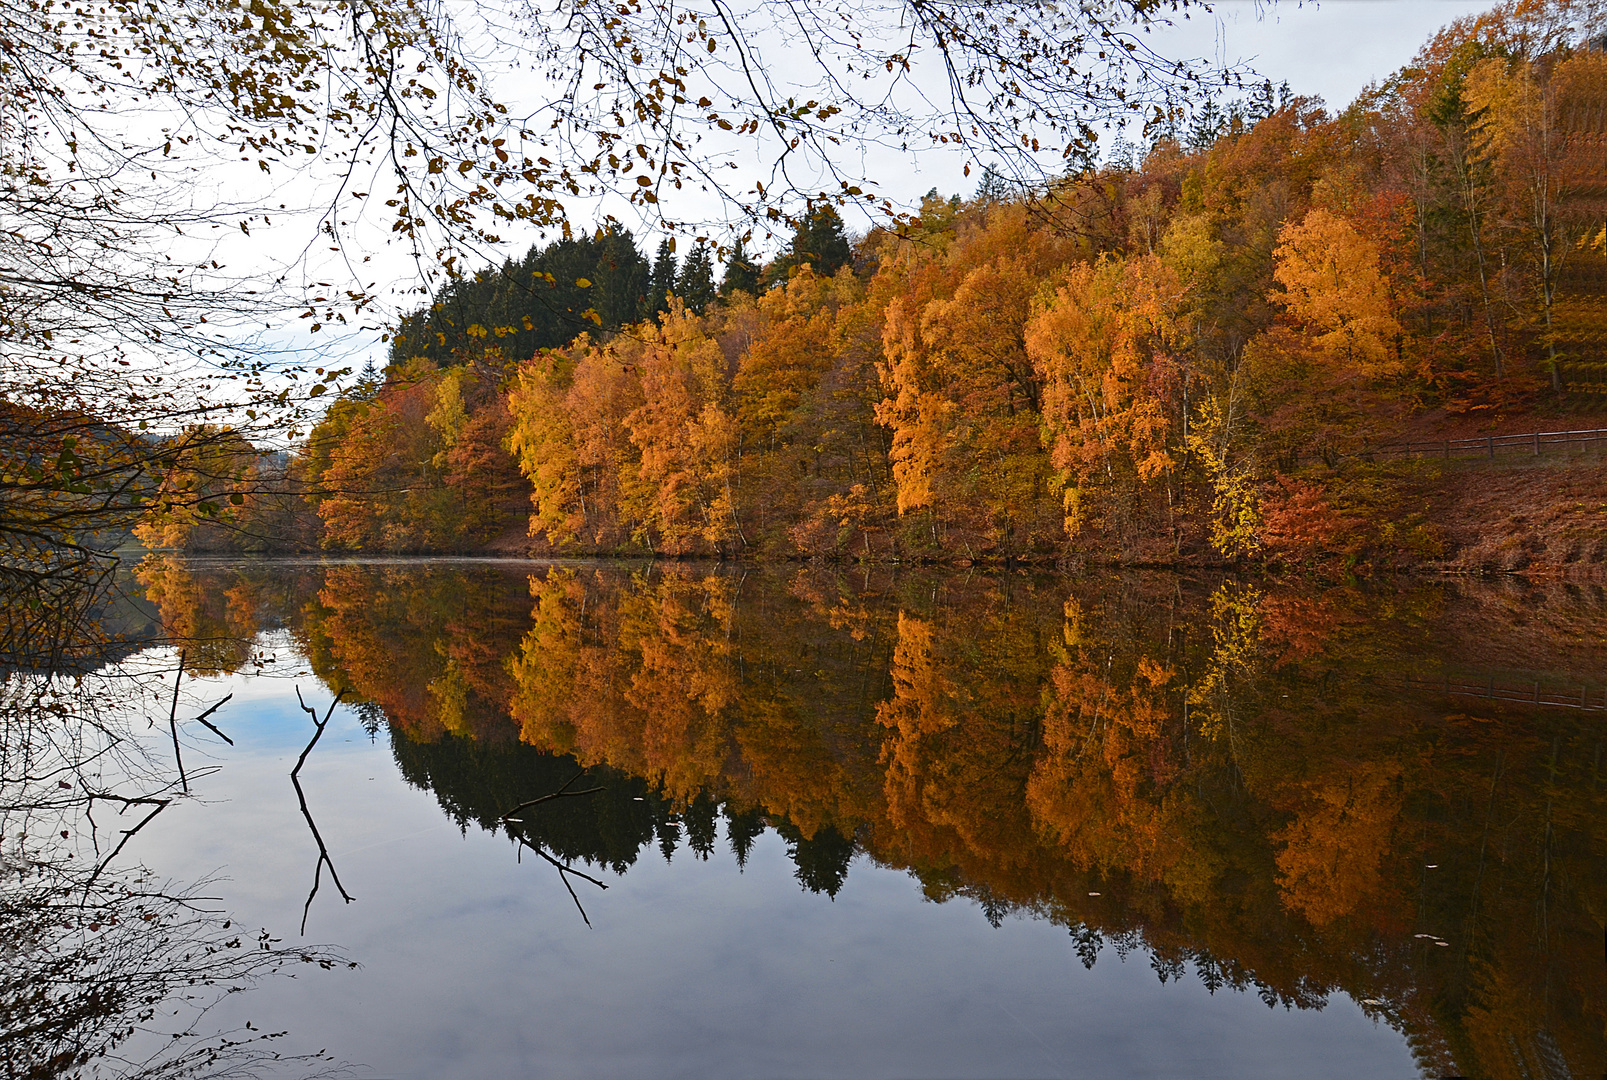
point(1447, 449)
point(1489, 441)
point(1537, 444)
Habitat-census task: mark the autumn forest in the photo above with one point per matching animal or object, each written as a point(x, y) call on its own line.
point(1199, 351)
point(529, 547)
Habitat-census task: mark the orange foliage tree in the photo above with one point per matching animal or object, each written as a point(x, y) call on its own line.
point(1105, 347)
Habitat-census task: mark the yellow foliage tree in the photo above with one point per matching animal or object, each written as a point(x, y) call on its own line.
point(682, 489)
point(1101, 343)
point(1331, 860)
point(542, 441)
point(1332, 283)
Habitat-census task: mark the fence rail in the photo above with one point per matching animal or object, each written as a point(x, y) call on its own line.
point(1534, 443)
point(1588, 698)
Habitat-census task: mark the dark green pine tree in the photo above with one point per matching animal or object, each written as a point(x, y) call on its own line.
point(820, 241)
point(368, 384)
point(669, 835)
point(696, 282)
point(821, 861)
point(662, 282)
point(740, 273)
point(533, 303)
point(993, 187)
point(1205, 127)
point(702, 824)
point(742, 829)
point(619, 279)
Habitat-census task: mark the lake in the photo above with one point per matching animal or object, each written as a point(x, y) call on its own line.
point(678, 819)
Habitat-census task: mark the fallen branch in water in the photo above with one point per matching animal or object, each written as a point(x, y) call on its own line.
point(295, 780)
point(564, 870)
point(561, 793)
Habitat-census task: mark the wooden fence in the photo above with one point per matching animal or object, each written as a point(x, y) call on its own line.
point(1588, 698)
point(1534, 443)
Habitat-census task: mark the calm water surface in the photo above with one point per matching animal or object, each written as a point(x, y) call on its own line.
point(877, 824)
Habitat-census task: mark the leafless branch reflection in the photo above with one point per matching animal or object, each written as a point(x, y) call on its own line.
point(564, 869)
point(561, 793)
point(107, 970)
point(301, 797)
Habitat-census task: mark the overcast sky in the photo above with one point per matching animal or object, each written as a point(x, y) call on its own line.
point(1331, 50)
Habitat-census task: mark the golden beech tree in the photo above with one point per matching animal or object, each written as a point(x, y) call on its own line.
point(683, 490)
point(803, 393)
point(792, 351)
point(570, 437)
point(542, 439)
point(381, 489)
point(605, 390)
point(681, 678)
point(1331, 862)
point(481, 473)
point(1105, 344)
point(957, 743)
point(422, 466)
point(206, 492)
point(217, 628)
point(1332, 284)
point(549, 670)
point(961, 396)
point(1099, 787)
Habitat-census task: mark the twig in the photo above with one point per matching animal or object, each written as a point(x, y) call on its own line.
point(563, 872)
point(213, 727)
point(559, 794)
point(566, 868)
point(173, 723)
point(301, 797)
point(128, 834)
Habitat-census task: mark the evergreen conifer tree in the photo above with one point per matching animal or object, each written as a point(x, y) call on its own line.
point(742, 829)
point(695, 285)
point(993, 187)
point(662, 283)
point(740, 273)
point(821, 242)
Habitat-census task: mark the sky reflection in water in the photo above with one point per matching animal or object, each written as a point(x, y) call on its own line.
point(922, 724)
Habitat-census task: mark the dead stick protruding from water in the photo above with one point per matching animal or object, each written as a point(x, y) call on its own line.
point(173, 722)
point(562, 792)
point(295, 780)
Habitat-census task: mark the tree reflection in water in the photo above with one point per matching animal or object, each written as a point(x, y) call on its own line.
point(1287, 789)
point(105, 970)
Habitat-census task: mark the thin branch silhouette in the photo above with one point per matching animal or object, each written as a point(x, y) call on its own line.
point(301, 797)
point(564, 870)
point(210, 725)
point(561, 793)
point(173, 723)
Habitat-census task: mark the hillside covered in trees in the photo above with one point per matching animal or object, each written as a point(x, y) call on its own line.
point(1189, 353)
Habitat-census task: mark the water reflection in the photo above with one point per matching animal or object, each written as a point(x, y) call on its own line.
point(1295, 791)
point(107, 969)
